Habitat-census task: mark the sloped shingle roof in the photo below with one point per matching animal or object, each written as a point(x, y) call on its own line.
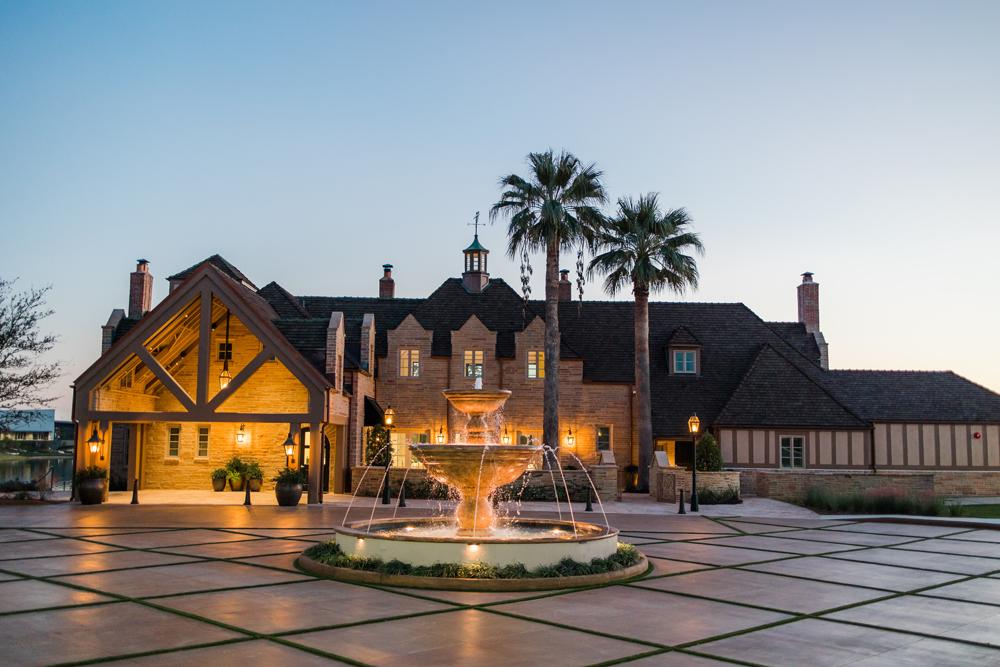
point(914, 396)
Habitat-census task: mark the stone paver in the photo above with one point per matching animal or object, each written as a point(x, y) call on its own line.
point(709, 554)
point(258, 547)
point(977, 536)
point(28, 594)
point(239, 654)
point(984, 549)
point(986, 590)
point(942, 618)
point(468, 637)
point(57, 547)
point(859, 574)
point(924, 559)
point(185, 578)
point(88, 633)
point(913, 530)
point(662, 566)
point(821, 643)
point(21, 536)
point(843, 537)
point(643, 614)
point(107, 560)
point(764, 590)
point(283, 561)
point(782, 544)
point(171, 538)
point(300, 606)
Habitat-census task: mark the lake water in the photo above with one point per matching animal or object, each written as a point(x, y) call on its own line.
point(34, 468)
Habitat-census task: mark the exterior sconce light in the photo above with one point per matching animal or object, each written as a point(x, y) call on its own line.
point(694, 424)
point(241, 435)
point(440, 436)
point(570, 439)
point(94, 441)
point(506, 436)
point(289, 445)
point(389, 416)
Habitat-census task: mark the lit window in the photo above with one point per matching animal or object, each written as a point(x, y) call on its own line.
point(792, 451)
point(203, 442)
point(225, 351)
point(401, 441)
point(525, 438)
point(473, 363)
point(685, 362)
point(174, 442)
point(409, 363)
point(126, 381)
point(603, 437)
point(536, 364)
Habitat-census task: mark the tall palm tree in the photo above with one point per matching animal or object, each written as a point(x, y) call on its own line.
point(553, 209)
point(644, 248)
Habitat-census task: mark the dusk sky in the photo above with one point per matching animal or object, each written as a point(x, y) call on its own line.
point(309, 143)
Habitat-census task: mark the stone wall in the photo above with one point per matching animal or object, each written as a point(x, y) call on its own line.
point(793, 485)
point(665, 483)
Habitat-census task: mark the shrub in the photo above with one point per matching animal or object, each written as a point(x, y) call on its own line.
point(92, 472)
point(252, 470)
point(289, 477)
point(235, 468)
point(709, 457)
point(728, 496)
point(329, 553)
point(885, 500)
point(17, 486)
point(220, 473)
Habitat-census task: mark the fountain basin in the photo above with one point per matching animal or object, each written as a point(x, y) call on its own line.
point(530, 542)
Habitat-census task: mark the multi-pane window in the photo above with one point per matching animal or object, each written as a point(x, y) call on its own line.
point(174, 442)
point(473, 363)
point(126, 380)
point(685, 362)
point(225, 351)
point(524, 438)
point(203, 442)
point(536, 364)
point(401, 441)
point(793, 451)
point(603, 437)
point(409, 363)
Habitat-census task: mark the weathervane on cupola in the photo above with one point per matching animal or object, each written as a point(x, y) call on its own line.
point(475, 278)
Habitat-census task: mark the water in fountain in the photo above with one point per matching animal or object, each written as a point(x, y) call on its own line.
point(569, 502)
point(592, 486)
point(360, 483)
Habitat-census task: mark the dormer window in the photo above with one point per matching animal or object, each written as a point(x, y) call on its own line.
point(684, 361)
point(536, 364)
point(409, 363)
point(473, 363)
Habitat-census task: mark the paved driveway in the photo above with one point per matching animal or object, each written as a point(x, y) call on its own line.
point(217, 585)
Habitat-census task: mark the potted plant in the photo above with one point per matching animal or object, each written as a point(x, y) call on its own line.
point(254, 475)
point(235, 469)
point(90, 485)
point(288, 487)
point(219, 477)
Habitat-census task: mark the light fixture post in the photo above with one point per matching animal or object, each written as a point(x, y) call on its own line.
point(389, 419)
point(694, 426)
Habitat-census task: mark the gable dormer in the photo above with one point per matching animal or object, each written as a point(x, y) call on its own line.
point(684, 353)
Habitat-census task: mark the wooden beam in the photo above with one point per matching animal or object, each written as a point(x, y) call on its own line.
point(241, 377)
point(316, 464)
point(204, 350)
point(199, 414)
point(168, 381)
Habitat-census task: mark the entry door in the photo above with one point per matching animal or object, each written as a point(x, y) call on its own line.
point(306, 457)
point(121, 436)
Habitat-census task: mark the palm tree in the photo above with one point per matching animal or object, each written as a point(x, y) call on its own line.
point(644, 248)
point(553, 209)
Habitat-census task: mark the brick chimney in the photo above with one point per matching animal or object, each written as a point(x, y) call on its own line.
point(809, 315)
point(565, 286)
point(386, 285)
point(140, 290)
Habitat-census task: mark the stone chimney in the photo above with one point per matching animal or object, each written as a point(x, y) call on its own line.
point(108, 330)
point(140, 290)
point(809, 315)
point(565, 286)
point(367, 350)
point(386, 285)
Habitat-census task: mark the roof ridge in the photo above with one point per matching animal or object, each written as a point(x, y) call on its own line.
point(826, 391)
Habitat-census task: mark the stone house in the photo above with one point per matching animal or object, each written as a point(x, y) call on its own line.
point(222, 367)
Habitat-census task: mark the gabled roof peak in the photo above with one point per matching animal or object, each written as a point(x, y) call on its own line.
point(221, 263)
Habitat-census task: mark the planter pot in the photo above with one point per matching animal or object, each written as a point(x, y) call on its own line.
point(255, 484)
point(288, 494)
point(236, 484)
point(91, 491)
point(219, 484)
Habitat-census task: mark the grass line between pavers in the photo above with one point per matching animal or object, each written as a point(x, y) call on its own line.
point(320, 652)
point(630, 658)
point(285, 634)
point(905, 567)
point(194, 560)
point(131, 531)
point(912, 633)
point(60, 607)
point(172, 546)
point(902, 547)
point(566, 626)
point(143, 654)
point(86, 553)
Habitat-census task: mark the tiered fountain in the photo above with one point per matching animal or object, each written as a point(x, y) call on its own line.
point(474, 469)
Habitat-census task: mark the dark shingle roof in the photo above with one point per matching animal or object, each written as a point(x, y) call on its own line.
point(219, 262)
point(795, 334)
point(914, 396)
point(683, 336)
point(775, 392)
point(286, 305)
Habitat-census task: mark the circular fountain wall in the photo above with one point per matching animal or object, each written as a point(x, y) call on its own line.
point(427, 541)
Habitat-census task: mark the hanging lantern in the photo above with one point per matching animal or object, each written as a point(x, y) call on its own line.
point(389, 417)
point(241, 435)
point(694, 424)
point(570, 438)
point(94, 441)
point(225, 377)
point(440, 436)
point(506, 436)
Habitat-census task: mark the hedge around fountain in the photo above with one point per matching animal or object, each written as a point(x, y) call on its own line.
point(327, 560)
